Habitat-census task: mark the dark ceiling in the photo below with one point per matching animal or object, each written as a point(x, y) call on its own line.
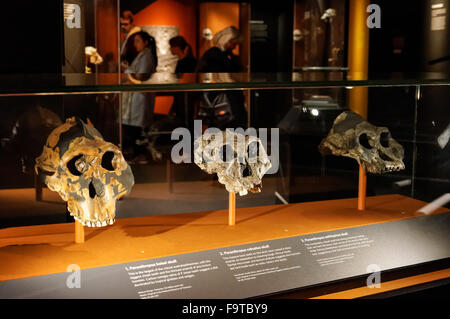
point(134, 5)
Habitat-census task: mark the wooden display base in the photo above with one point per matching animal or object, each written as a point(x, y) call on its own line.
point(49, 249)
point(231, 209)
point(362, 186)
point(79, 229)
point(79, 233)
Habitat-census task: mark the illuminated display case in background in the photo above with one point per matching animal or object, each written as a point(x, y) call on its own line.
point(300, 70)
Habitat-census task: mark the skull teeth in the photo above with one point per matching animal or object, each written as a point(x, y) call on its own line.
point(393, 168)
point(95, 223)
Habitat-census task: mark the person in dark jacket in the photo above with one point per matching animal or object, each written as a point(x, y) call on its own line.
point(186, 60)
point(222, 109)
point(186, 64)
point(220, 58)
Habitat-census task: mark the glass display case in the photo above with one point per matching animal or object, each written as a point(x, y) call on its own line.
point(173, 235)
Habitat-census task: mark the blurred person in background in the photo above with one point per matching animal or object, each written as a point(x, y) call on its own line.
point(186, 64)
point(137, 107)
point(181, 113)
point(127, 49)
point(222, 109)
point(186, 61)
point(220, 57)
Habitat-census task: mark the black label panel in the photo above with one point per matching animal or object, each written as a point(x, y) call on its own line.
point(253, 269)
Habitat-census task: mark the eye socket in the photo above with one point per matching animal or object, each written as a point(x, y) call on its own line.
point(384, 139)
point(253, 149)
point(107, 161)
point(246, 170)
point(72, 167)
point(92, 191)
point(364, 141)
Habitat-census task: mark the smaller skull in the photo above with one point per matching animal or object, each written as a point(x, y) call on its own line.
point(207, 34)
point(87, 172)
point(328, 14)
point(372, 146)
point(93, 55)
point(240, 161)
point(297, 35)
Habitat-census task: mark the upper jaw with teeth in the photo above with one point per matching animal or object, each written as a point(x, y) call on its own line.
point(393, 167)
point(98, 223)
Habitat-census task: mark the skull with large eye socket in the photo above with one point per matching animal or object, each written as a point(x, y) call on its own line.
point(240, 161)
point(372, 146)
point(87, 172)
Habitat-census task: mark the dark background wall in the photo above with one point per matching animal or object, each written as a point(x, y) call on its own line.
point(406, 42)
point(31, 36)
point(436, 43)
point(271, 53)
point(395, 47)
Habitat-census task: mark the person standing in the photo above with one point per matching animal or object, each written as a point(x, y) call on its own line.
point(222, 109)
point(220, 57)
point(127, 49)
point(186, 61)
point(181, 111)
point(137, 107)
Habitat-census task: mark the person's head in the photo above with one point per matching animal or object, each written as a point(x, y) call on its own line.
point(142, 40)
point(126, 21)
point(227, 39)
point(231, 44)
point(179, 47)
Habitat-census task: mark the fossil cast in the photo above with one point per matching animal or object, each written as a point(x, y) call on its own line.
point(87, 172)
point(373, 147)
point(240, 161)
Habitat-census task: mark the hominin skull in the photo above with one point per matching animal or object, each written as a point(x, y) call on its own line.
point(240, 161)
point(87, 172)
point(373, 147)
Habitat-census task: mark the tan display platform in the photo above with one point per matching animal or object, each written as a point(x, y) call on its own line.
point(48, 249)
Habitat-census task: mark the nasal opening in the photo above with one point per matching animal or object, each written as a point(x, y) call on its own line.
point(384, 157)
point(92, 191)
